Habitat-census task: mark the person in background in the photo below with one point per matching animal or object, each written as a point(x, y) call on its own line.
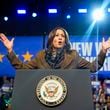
point(57, 55)
point(6, 93)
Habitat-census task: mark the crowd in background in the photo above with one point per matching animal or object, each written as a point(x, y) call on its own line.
point(6, 88)
point(100, 92)
point(101, 95)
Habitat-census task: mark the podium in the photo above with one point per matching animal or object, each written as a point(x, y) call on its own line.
point(79, 91)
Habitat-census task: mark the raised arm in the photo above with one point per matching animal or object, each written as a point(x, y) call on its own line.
point(14, 60)
point(7, 43)
point(98, 62)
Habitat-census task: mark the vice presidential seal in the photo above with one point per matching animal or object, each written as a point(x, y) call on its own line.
point(51, 90)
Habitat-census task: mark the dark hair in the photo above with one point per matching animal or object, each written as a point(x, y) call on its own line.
point(52, 35)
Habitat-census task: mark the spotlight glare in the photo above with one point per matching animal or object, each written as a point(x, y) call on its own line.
point(52, 10)
point(5, 18)
point(109, 10)
point(34, 14)
point(82, 10)
point(98, 14)
point(68, 16)
point(21, 11)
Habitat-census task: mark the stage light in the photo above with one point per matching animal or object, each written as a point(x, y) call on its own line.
point(52, 10)
point(98, 14)
point(34, 14)
point(109, 10)
point(21, 11)
point(5, 18)
point(68, 16)
point(82, 10)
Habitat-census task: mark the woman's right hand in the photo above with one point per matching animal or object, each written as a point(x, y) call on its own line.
point(7, 43)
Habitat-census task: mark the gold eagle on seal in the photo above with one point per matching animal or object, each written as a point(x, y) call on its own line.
point(51, 93)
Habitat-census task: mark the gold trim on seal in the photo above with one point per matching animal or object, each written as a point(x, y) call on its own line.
point(51, 90)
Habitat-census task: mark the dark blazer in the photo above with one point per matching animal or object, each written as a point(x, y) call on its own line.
point(71, 61)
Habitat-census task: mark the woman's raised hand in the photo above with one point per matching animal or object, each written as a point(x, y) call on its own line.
point(7, 43)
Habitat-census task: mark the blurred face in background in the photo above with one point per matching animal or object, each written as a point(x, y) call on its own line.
point(59, 39)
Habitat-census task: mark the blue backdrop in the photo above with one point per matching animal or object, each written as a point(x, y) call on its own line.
point(26, 47)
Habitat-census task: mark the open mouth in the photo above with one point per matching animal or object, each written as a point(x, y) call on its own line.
point(60, 42)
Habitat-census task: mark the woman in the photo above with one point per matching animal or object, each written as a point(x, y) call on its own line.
point(57, 55)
